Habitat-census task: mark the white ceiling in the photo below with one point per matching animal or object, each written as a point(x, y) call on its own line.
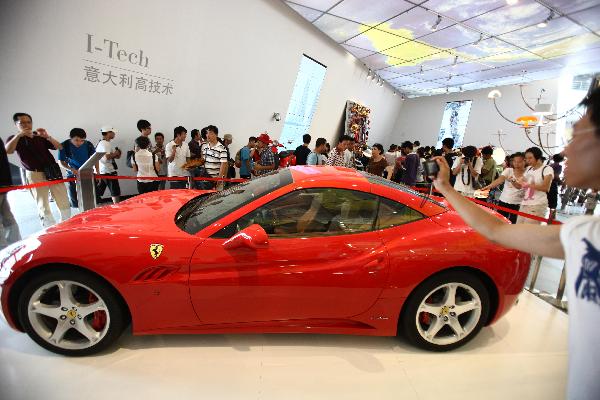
point(477, 43)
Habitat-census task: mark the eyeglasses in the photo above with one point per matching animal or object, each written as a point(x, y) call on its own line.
point(580, 132)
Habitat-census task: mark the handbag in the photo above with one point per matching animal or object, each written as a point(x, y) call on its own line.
point(53, 172)
point(130, 161)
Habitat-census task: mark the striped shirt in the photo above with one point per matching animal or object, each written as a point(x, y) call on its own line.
point(336, 159)
point(214, 156)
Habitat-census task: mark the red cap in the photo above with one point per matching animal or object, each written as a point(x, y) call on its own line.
point(263, 137)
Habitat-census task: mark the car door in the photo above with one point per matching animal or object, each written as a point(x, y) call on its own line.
point(323, 260)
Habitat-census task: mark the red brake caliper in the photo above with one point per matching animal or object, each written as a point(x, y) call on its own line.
point(99, 317)
point(425, 318)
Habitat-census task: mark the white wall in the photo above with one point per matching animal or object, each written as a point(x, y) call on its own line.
point(234, 63)
point(420, 118)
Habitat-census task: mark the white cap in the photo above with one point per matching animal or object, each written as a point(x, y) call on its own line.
point(108, 128)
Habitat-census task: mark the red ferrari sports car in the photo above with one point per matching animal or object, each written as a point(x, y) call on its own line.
point(303, 249)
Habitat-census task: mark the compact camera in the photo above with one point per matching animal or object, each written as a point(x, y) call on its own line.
point(431, 168)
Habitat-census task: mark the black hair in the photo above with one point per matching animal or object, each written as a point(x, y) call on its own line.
point(306, 138)
point(557, 158)
point(194, 133)
point(177, 131)
point(320, 142)
point(328, 146)
point(469, 151)
point(212, 128)
point(517, 154)
point(143, 124)
point(378, 147)
point(77, 132)
point(417, 143)
point(448, 142)
point(592, 103)
point(203, 132)
point(393, 147)
point(142, 142)
point(487, 150)
point(536, 152)
point(345, 138)
point(16, 116)
point(406, 145)
point(421, 152)
point(252, 139)
point(157, 134)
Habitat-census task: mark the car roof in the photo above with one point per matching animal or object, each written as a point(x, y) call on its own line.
point(307, 172)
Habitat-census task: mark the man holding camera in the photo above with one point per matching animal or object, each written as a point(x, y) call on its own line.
point(467, 169)
point(577, 241)
point(33, 148)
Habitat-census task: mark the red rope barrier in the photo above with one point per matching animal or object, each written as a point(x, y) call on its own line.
point(497, 207)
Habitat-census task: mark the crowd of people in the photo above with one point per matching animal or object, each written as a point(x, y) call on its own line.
point(526, 182)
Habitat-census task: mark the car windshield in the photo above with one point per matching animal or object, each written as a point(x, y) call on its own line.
point(379, 180)
point(202, 211)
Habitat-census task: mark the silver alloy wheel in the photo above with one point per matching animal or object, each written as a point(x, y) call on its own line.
point(449, 320)
point(73, 330)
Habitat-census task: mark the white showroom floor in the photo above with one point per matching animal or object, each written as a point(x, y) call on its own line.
point(523, 356)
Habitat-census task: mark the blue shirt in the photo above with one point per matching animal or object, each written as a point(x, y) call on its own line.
point(244, 157)
point(77, 155)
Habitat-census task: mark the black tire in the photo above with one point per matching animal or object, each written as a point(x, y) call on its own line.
point(117, 320)
point(408, 319)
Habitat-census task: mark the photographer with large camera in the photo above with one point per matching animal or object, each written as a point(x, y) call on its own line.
point(577, 241)
point(466, 169)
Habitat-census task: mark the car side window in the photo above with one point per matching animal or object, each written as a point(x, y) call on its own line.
point(312, 212)
point(391, 214)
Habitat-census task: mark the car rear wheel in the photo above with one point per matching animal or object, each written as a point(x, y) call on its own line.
point(71, 313)
point(446, 311)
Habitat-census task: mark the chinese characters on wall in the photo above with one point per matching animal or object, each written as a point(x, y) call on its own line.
point(127, 80)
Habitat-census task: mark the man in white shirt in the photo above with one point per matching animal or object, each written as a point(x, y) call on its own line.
point(467, 169)
point(108, 165)
point(577, 241)
point(177, 155)
point(349, 153)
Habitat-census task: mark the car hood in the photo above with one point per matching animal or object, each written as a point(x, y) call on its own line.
point(155, 211)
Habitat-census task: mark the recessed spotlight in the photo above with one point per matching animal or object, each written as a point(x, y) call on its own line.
point(512, 2)
point(479, 40)
point(438, 21)
point(394, 92)
point(545, 22)
point(370, 75)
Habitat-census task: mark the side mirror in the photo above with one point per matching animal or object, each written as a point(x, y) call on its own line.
point(253, 237)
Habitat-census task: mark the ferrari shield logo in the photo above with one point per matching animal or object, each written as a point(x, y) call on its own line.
point(156, 250)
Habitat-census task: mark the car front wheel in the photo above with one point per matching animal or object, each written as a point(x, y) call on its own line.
point(70, 312)
point(446, 311)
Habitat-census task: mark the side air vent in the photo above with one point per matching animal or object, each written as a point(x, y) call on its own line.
point(152, 274)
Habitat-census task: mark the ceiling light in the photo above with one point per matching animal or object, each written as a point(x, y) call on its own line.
point(460, 89)
point(370, 75)
point(394, 92)
point(544, 23)
point(543, 109)
point(494, 94)
point(512, 2)
point(421, 70)
point(479, 40)
point(447, 89)
point(437, 23)
point(455, 61)
point(449, 76)
point(403, 97)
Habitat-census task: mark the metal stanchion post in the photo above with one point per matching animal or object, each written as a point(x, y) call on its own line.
point(536, 270)
point(190, 182)
point(560, 292)
point(86, 185)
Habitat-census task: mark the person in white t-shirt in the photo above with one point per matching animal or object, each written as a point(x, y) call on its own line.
point(536, 183)
point(466, 169)
point(145, 164)
point(177, 153)
point(577, 241)
point(512, 194)
point(108, 165)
